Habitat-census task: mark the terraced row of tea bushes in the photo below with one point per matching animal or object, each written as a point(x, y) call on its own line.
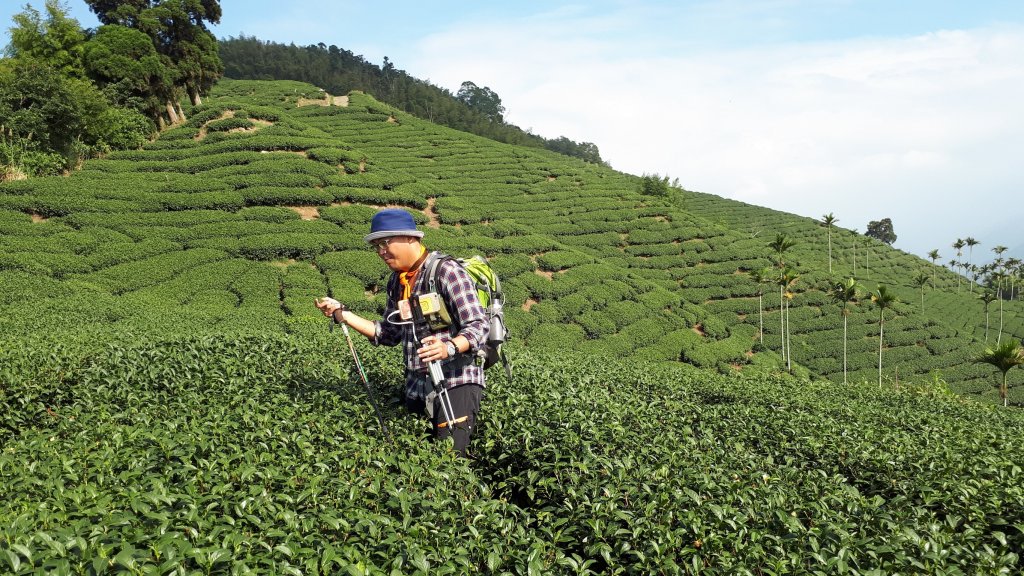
point(640, 476)
point(240, 456)
point(489, 198)
point(131, 276)
point(259, 453)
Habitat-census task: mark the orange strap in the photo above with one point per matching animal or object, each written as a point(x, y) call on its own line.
point(456, 421)
point(408, 279)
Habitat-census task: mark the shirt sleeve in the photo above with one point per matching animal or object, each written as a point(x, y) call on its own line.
point(387, 333)
point(462, 300)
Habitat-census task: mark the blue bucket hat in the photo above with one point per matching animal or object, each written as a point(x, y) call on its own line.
point(392, 222)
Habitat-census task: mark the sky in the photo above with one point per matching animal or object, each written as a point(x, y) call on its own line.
point(865, 109)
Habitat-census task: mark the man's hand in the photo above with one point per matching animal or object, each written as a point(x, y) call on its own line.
point(327, 305)
point(433, 349)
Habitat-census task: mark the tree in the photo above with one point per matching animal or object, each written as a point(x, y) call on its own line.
point(178, 31)
point(55, 42)
point(881, 230)
point(483, 100)
point(883, 300)
point(51, 114)
point(855, 236)
point(1003, 357)
point(921, 280)
point(998, 277)
point(46, 111)
point(959, 247)
point(588, 151)
point(934, 256)
point(124, 63)
point(971, 243)
point(987, 297)
point(828, 220)
point(1013, 273)
point(654, 185)
point(761, 277)
point(787, 278)
point(780, 244)
point(844, 293)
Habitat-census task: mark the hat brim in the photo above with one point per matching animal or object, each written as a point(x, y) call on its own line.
point(389, 233)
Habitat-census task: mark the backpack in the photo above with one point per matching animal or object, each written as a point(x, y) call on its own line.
point(492, 298)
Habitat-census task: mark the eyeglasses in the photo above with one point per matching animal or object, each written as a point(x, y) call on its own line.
point(381, 246)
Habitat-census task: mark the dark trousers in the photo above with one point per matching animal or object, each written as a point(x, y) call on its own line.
point(465, 404)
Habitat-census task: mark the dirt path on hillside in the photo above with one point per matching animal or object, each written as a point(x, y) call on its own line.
point(435, 222)
point(327, 100)
point(306, 212)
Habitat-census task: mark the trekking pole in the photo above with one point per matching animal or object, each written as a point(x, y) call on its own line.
point(362, 376)
point(436, 375)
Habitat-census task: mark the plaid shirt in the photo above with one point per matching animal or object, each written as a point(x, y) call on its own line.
point(458, 291)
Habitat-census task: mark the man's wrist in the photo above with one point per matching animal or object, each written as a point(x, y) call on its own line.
point(452, 349)
point(339, 315)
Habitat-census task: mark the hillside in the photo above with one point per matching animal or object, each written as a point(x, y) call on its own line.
point(339, 71)
point(259, 204)
point(171, 402)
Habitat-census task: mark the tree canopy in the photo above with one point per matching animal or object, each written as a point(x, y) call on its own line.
point(67, 93)
point(180, 36)
point(483, 100)
point(55, 41)
point(881, 230)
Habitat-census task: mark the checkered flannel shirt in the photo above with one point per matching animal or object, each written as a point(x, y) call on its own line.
point(458, 291)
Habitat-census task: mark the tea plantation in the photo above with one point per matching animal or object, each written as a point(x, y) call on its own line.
point(172, 403)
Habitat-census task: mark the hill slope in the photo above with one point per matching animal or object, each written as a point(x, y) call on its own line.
point(170, 401)
point(259, 204)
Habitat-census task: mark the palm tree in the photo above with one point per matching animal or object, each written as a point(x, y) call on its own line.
point(882, 299)
point(867, 256)
point(959, 247)
point(975, 273)
point(934, 255)
point(998, 276)
point(854, 251)
point(828, 220)
point(971, 243)
point(1012, 272)
point(921, 280)
point(1003, 357)
point(761, 277)
point(787, 279)
point(987, 297)
point(780, 245)
point(844, 293)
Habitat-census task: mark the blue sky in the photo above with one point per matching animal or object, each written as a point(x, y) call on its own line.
point(863, 108)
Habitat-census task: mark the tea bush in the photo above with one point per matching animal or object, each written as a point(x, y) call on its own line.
point(148, 250)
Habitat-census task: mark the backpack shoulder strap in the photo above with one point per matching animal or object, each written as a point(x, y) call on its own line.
point(432, 266)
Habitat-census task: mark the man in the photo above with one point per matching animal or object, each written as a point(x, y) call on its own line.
point(393, 235)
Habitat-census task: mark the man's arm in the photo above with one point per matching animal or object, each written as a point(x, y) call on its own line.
point(333, 309)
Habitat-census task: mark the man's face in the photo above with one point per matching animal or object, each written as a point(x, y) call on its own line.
point(398, 252)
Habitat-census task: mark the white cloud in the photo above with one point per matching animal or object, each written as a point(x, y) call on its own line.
point(867, 128)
